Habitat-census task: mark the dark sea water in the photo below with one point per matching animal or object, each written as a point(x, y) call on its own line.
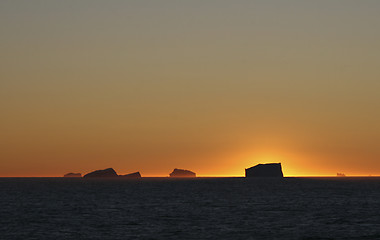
point(202, 208)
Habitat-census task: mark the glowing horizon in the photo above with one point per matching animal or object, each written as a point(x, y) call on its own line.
point(210, 86)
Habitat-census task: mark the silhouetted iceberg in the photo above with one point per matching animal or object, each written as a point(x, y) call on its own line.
point(182, 173)
point(340, 174)
point(106, 173)
point(265, 170)
point(131, 175)
point(72, 175)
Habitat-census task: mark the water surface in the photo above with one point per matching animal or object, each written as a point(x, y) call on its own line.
point(201, 208)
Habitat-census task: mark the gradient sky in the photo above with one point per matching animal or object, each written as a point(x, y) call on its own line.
point(210, 86)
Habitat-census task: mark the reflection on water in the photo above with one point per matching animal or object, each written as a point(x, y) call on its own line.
point(202, 208)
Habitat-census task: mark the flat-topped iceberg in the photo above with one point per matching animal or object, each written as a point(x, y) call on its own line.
point(72, 175)
point(265, 170)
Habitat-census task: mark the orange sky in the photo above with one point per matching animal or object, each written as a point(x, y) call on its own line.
point(210, 86)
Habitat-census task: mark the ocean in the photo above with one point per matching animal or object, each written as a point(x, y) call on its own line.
point(199, 208)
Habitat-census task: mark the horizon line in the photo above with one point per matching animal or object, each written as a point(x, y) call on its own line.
point(208, 176)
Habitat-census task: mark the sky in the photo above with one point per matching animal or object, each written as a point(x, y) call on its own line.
point(214, 86)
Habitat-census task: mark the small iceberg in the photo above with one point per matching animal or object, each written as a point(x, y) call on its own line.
point(182, 173)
